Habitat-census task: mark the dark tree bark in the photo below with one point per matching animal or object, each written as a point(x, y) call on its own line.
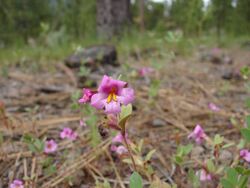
point(141, 10)
point(112, 15)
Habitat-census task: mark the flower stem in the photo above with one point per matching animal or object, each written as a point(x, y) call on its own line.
point(129, 151)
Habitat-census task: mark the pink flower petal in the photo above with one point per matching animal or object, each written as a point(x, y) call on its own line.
point(118, 138)
point(112, 108)
point(98, 100)
point(108, 83)
point(127, 96)
point(50, 146)
point(121, 150)
point(113, 148)
point(17, 184)
point(198, 134)
point(204, 176)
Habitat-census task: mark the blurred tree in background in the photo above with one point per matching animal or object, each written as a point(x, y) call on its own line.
point(78, 19)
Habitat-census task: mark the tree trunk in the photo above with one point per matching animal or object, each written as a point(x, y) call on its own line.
point(141, 10)
point(112, 15)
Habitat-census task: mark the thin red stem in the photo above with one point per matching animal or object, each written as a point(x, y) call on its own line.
point(129, 151)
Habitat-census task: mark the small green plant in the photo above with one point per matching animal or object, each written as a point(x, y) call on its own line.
point(181, 153)
point(34, 144)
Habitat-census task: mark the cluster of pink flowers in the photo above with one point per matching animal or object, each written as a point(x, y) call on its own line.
point(17, 184)
point(144, 71)
point(245, 154)
point(118, 140)
point(111, 94)
point(213, 107)
point(68, 133)
point(198, 134)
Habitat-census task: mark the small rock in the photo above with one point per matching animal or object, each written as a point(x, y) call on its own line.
point(225, 157)
point(227, 75)
point(197, 151)
point(158, 123)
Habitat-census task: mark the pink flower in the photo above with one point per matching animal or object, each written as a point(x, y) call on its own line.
point(68, 133)
point(82, 123)
point(215, 51)
point(87, 94)
point(145, 71)
point(213, 107)
point(245, 154)
point(17, 184)
point(119, 149)
point(113, 148)
point(198, 134)
point(111, 95)
point(119, 138)
point(204, 175)
point(50, 146)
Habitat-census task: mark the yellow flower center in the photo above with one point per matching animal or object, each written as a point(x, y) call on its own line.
point(112, 96)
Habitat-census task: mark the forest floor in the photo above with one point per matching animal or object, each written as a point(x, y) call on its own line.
point(170, 101)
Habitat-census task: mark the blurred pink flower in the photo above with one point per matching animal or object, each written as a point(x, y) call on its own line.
point(245, 154)
point(68, 133)
point(17, 184)
point(119, 138)
point(215, 51)
point(198, 134)
point(82, 123)
point(121, 150)
point(204, 175)
point(50, 146)
point(213, 107)
point(118, 149)
point(87, 94)
point(145, 71)
point(111, 95)
point(113, 148)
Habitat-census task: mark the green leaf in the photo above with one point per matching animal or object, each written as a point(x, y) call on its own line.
point(194, 179)
point(228, 145)
point(32, 148)
point(246, 134)
point(50, 170)
point(232, 176)
point(39, 145)
point(187, 149)
point(149, 155)
point(140, 145)
point(248, 121)
point(1, 138)
point(218, 139)
point(243, 182)
point(210, 166)
point(241, 144)
point(226, 184)
point(135, 180)
point(27, 138)
point(248, 103)
point(240, 169)
point(126, 112)
point(178, 159)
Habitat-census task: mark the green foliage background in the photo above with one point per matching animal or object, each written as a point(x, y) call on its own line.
point(76, 19)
